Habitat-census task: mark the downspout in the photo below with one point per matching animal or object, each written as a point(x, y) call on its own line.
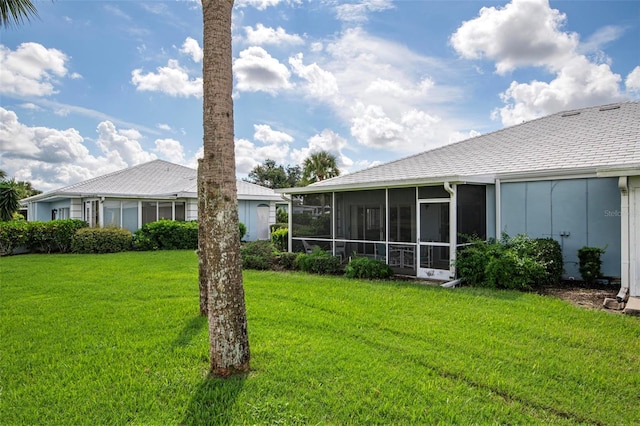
point(498, 210)
point(453, 227)
point(623, 185)
point(290, 224)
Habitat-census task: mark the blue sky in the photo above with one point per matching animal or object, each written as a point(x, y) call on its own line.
point(96, 86)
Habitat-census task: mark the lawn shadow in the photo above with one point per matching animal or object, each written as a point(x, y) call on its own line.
point(190, 330)
point(213, 401)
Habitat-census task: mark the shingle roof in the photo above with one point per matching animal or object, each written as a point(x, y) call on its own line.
point(567, 142)
point(156, 178)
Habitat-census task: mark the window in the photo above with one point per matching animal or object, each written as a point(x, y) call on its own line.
point(311, 216)
point(165, 210)
point(180, 210)
point(149, 211)
point(112, 213)
point(130, 215)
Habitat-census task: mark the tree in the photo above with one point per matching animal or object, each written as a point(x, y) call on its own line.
point(9, 200)
point(218, 243)
point(14, 12)
point(319, 166)
point(274, 176)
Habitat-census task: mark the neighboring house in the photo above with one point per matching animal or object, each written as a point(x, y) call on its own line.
point(145, 193)
point(572, 176)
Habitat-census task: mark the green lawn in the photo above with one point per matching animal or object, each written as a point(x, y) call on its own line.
point(114, 339)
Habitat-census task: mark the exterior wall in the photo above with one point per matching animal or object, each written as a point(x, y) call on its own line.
point(192, 209)
point(248, 214)
point(76, 208)
point(575, 212)
point(491, 211)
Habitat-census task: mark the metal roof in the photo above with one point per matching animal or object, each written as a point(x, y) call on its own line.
point(155, 179)
point(568, 143)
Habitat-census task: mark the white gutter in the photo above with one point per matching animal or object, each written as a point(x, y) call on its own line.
point(623, 185)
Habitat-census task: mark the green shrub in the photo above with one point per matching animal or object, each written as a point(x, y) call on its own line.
point(13, 234)
point(258, 255)
point(548, 252)
point(364, 267)
point(287, 260)
point(590, 263)
point(101, 240)
point(275, 226)
point(280, 239)
point(167, 235)
point(53, 236)
point(282, 217)
point(242, 229)
point(512, 263)
point(318, 262)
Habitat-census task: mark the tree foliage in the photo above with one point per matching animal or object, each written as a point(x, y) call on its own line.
point(9, 200)
point(318, 167)
point(14, 12)
point(273, 175)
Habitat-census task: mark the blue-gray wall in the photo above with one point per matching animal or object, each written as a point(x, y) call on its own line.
point(586, 209)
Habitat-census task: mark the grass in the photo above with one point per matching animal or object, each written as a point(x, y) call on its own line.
point(114, 339)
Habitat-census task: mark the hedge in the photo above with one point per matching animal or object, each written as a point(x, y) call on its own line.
point(101, 240)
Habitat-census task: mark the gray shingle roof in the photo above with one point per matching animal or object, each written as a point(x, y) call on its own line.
point(156, 178)
point(582, 140)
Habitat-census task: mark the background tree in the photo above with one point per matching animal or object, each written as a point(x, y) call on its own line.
point(9, 200)
point(14, 12)
point(319, 166)
point(218, 242)
point(274, 176)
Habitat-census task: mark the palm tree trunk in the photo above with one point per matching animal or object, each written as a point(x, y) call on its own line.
point(219, 245)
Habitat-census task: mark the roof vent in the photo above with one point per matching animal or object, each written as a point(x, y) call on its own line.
point(570, 114)
point(609, 107)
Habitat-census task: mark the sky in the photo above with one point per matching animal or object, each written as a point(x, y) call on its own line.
point(91, 87)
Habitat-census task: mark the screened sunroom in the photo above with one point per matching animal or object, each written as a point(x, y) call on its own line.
point(416, 229)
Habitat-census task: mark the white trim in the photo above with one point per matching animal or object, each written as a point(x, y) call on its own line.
point(498, 209)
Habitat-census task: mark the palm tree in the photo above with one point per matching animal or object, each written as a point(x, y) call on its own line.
point(9, 200)
point(16, 11)
point(218, 243)
point(319, 166)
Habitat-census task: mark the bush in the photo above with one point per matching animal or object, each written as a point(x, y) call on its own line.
point(101, 240)
point(318, 262)
point(363, 267)
point(53, 236)
point(167, 235)
point(287, 260)
point(13, 234)
point(280, 239)
point(242, 229)
point(282, 216)
point(275, 226)
point(548, 252)
point(258, 255)
point(590, 263)
point(512, 263)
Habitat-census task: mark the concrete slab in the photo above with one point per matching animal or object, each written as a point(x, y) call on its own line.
point(633, 306)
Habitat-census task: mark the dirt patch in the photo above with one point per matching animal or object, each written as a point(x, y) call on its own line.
point(588, 298)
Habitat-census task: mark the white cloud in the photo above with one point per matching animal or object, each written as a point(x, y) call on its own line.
point(633, 80)
point(264, 133)
point(528, 33)
point(255, 70)
point(192, 48)
point(31, 70)
point(170, 149)
point(358, 12)
point(321, 84)
point(522, 33)
point(122, 144)
point(579, 84)
point(164, 126)
point(266, 35)
point(329, 141)
point(172, 80)
point(48, 158)
point(31, 106)
point(263, 4)
point(248, 155)
point(598, 40)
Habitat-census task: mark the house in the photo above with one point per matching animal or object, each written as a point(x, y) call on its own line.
point(145, 193)
point(573, 176)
